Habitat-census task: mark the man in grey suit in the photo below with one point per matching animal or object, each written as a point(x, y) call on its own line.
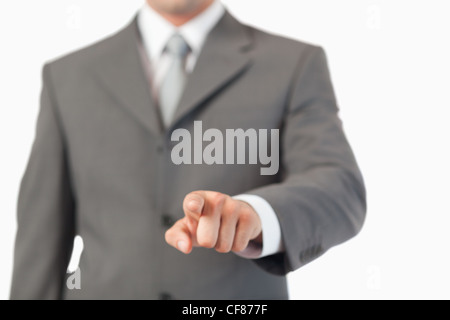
point(101, 165)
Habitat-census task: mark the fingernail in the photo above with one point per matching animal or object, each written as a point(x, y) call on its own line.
point(182, 246)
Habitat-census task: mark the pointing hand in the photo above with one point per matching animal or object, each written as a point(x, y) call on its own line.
point(215, 220)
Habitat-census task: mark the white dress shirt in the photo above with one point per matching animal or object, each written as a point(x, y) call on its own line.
point(156, 32)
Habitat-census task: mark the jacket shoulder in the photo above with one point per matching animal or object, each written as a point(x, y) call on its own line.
point(281, 44)
point(89, 56)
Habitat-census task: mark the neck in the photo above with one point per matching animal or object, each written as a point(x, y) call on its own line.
point(178, 19)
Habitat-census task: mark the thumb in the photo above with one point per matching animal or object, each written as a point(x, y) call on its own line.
point(193, 206)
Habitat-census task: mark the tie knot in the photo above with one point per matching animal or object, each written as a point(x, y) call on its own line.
point(177, 46)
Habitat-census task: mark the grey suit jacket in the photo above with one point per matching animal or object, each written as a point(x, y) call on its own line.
point(100, 167)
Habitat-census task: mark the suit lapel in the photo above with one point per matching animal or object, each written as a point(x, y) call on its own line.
point(123, 73)
point(223, 59)
point(225, 56)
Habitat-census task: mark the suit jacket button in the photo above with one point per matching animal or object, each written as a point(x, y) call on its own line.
point(165, 296)
point(167, 221)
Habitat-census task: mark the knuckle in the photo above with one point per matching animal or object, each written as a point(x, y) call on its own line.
point(229, 216)
point(218, 199)
point(206, 243)
point(239, 246)
point(245, 217)
point(234, 208)
point(223, 248)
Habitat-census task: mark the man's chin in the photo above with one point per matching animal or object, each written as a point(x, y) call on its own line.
point(179, 7)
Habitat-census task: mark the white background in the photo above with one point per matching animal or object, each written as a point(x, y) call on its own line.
point(390, 65)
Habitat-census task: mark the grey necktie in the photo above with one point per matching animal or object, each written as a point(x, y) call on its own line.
point(175, 79)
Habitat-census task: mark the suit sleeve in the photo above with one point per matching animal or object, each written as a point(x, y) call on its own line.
point(45, 212)
point(320, 201)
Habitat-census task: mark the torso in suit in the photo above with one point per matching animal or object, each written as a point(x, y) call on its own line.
point(101, 168)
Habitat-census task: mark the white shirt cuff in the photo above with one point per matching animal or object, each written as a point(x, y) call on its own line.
point(271, 230)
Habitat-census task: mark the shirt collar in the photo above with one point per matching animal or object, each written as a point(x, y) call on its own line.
point(156, 31)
